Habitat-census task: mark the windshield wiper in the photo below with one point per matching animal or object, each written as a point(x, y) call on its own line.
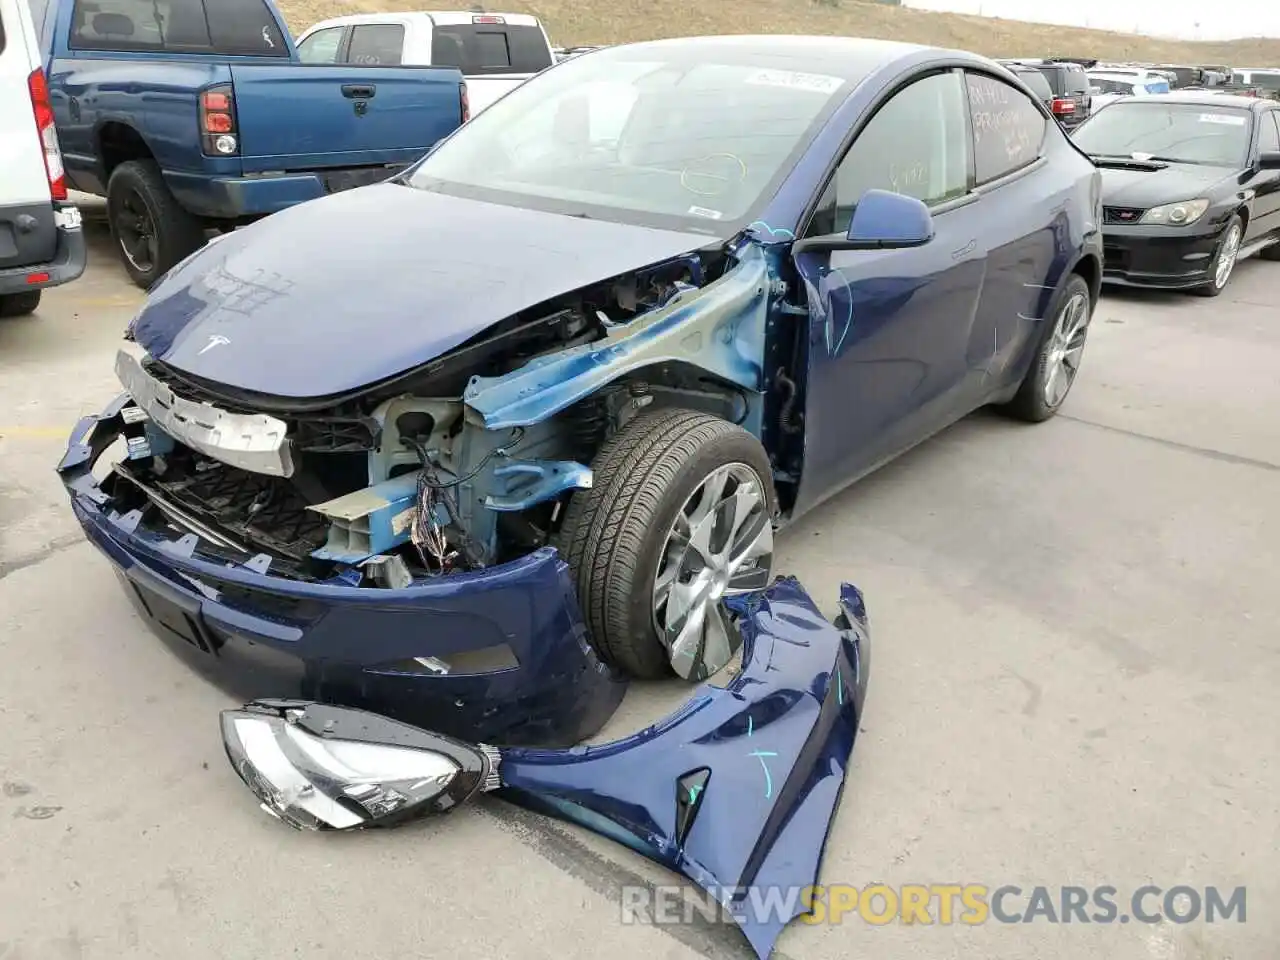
point(1117, 160)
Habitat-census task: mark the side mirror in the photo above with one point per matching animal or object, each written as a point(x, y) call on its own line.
point(886, 220)
point(1269, 161)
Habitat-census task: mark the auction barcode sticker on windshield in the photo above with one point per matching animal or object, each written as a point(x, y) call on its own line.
point(1230, 119)
point(814, 82)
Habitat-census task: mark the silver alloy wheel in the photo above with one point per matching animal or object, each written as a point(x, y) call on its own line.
point(1066, 345)
point(1227, 256)
point(720, 544)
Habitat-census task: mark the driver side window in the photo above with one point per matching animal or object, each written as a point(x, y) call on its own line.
point(917, 144)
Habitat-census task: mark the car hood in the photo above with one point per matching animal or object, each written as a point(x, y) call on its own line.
point(1149, 188)
point(332, 295)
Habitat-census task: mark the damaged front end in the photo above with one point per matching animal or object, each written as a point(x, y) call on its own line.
point(736, 790)
point(245, 522)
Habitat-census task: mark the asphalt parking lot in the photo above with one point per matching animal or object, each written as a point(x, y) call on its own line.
point(1075, 662)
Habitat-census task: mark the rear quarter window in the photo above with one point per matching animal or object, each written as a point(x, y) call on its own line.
point(1038, 84)
point(489, 48)
point(1008, 128)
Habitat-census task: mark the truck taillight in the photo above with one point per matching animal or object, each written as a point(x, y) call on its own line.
point(1061, 105)
point(465, 101)
point(38, 86)
point(218, 132)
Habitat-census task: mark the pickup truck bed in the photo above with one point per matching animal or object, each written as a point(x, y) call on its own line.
point(208, 119)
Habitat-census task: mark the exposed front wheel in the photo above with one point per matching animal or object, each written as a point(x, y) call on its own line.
point(152, 231)
point(680, 515)
point(1057, 360)
point(19, 304)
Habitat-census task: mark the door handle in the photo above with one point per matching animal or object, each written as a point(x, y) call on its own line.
point(359, 91)
point(964, 251)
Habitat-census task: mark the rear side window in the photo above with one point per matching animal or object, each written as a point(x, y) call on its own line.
point(1076, 81)
point(322, 46)
point(376, 44)
point(487, 48)
point(1036, 81)
point(139, 25)
point(1008, 127)
point(1054, 76)
point(1269, 134)
point(244, 28)
point(232, 27)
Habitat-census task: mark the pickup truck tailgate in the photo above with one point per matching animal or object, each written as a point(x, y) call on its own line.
point(298, 117)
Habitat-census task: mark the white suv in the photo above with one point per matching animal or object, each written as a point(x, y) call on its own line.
point(40, 240)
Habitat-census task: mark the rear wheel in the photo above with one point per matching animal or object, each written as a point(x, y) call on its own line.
point(1047, 383)
point(152, 231)
point(19, 304)
point(1224, 261)
point(680, 515)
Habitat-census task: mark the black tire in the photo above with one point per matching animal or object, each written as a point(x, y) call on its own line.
point(1212, 288)
point(1270, 253)
point(169, 233)
point(19, 304)
point(613, 534)
point(1030, 402)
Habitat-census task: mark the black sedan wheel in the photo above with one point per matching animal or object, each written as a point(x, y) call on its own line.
point(1224, 260)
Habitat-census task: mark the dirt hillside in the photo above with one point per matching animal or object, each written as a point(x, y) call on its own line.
point(598, 21)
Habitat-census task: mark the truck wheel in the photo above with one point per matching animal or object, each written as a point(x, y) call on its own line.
point(1057, 359)
point(152, 231)
point(681, 514)
point(19, 304)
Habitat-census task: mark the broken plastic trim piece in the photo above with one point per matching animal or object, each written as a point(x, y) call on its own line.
point(254, 442)
point(736, 790)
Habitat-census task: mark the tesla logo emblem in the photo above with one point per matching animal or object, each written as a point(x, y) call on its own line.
point(217, 340)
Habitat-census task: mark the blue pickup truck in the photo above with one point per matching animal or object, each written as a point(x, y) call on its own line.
point(191, 115)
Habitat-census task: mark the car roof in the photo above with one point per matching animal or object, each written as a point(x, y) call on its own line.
point(851, 58)
point(1194, 98)
point(441, 17)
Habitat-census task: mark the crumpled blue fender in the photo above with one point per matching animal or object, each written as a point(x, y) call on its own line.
point(738, 788)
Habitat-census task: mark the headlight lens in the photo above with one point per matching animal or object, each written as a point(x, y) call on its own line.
point(1176, 214)
point(320, 767)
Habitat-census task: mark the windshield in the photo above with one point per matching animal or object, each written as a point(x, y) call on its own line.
point(1181, 132)
point(645, 135)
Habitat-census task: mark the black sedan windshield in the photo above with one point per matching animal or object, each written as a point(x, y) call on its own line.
point(1166, 130)
point(638, 135)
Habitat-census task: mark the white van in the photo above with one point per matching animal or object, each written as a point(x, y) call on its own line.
point(41, 244)
point(495, 51)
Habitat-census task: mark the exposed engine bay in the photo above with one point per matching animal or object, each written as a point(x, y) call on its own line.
point(415, 477)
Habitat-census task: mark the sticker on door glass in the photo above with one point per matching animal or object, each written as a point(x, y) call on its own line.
point(813, 82)
point(1229, 119)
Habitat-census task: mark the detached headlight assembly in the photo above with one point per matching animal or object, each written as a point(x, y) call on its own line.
point(1176, 214)
point(321, 767)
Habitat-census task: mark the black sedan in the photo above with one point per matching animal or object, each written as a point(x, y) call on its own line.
point(1190, 186)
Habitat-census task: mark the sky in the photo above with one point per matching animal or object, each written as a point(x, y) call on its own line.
point(1179, 19)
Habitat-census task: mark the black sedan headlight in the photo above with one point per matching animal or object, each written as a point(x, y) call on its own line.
point(1176, 214)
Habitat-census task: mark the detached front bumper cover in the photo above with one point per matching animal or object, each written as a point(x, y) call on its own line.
point(736, 790)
